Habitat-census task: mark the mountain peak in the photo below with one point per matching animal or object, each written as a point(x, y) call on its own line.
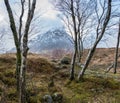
point(51, 40)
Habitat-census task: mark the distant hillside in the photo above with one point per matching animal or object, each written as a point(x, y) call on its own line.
point(49, 41)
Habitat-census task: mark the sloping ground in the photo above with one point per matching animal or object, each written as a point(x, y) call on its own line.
point(102, 59)
point(96, 87)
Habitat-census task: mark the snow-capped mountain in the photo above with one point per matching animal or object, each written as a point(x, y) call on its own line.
point(52, 39)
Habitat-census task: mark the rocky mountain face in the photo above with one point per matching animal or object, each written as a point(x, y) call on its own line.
point(51, 40)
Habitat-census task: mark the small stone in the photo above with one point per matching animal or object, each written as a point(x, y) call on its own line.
point(57, 97)
point(47, 99)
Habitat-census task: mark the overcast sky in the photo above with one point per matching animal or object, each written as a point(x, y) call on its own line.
point(44, 6)
point(49, 19)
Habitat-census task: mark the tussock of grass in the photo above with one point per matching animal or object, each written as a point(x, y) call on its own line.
point(7, 59)
point(8, 77)
point(9, 73)
point(9, 81)
point(39, 65)
point(12, 94)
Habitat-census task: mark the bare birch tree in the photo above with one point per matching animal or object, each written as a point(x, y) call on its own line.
point(21, 43)
point(103, 20)
point(75, 15)
point(117, 55)
point(117, 49)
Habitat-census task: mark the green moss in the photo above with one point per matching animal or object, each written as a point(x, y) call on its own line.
point(80, 93)
point(101, 82)
point(116, 95)
point(112, 84)
point(92, 86)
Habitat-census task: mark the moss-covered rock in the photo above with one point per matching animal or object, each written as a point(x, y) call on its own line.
point(47, 99)
point(65, 60)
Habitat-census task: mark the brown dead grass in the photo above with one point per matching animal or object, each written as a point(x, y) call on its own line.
point(39, 65)
point(102, 58)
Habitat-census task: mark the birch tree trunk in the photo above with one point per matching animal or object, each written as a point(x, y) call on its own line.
point(16, 41)
point(80, 49)
point(22, 87)
point(22, 92)
point(75, 42)
point(90, 55)
point(73, 65)
point(117, 49)
point(18, 66)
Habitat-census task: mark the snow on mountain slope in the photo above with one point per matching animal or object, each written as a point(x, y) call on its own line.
point(51, 40)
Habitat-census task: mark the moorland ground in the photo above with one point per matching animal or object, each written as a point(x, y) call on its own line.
point(46, 76)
